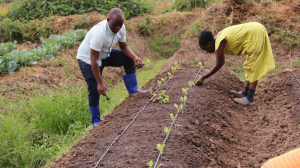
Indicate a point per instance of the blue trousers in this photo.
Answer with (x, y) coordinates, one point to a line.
(117, 59)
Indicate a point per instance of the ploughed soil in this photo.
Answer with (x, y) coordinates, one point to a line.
(211, 131)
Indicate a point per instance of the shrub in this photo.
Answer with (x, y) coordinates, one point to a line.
(38, 9)
(145, 26)
(188, 5)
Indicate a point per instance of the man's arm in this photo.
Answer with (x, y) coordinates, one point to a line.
(96, 71)
(220, 60)
(129, 53)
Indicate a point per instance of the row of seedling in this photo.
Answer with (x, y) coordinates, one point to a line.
(160, 97)
(167, 130)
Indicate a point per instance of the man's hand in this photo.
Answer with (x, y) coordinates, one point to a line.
(200, 81)
(101, 89)
(137, 60)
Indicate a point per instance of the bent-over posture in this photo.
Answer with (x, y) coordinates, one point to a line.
(249, 39)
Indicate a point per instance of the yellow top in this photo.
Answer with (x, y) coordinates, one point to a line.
(249, 39)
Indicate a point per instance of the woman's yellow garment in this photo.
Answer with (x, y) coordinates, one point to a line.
(287, 160)
(249, 39)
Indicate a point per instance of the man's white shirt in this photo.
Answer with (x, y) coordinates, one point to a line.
(100, 38)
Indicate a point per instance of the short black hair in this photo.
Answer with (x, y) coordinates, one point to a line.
(205, 37)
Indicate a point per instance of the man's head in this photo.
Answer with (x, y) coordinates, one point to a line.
(206, 41)
(115, 19)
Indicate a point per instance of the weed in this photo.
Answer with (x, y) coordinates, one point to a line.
(228, 62)
(81, 22)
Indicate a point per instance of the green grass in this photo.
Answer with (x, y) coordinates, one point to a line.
(296, 64)
(239, 72)
(166, 47)
(210, 64)
(37, 130)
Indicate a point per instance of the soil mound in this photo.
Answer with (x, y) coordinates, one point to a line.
(277, 17)
(212, 130)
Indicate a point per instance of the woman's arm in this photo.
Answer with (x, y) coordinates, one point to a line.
(220, 60)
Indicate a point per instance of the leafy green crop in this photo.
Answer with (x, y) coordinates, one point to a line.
(47, 50)
(7, 47)
(38, 9)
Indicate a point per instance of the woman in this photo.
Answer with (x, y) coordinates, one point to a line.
(245, 39)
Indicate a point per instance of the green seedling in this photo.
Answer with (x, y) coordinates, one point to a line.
(150, 164)
(181, 107)
(150, 90)
(159, 82)
(167, 130)
(162, 97)
(191, 83)
(184, 90)
(172, 116)
(196, 80)
(147, 61)
(160, 147)
(166, 78)
(199, 64)
(170, 75)
(176, 105)
(158, 165)
(174, 69)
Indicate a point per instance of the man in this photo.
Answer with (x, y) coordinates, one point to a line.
(245, 39)
(96, 52)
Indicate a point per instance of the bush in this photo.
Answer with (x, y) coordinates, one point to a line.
(145, 26)
(24, 31)
(38, 9)
(189, 5)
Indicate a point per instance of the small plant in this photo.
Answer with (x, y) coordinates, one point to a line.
(167, 130)
(160, 147)
(184, 90)
(170, 75)
(191, 83)
(199, 64)
(172, 117)
(159, 82)
(162, 97)
(150, 164)
(147, 61)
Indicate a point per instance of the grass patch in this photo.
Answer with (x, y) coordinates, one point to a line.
(119, 92)
(296, 64)
(211, 64)
(239, 72)
(166, 47)
(37, 130)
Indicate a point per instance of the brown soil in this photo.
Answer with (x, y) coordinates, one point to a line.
(212, 130)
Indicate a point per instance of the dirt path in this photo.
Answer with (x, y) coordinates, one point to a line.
(212, 131)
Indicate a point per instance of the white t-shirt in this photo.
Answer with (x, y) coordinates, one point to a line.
(100, 38)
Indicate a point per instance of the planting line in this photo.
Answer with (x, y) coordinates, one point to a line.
(296, 76)
(131, 122)
(175, 119)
